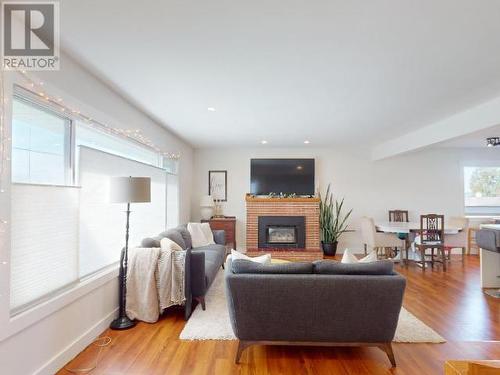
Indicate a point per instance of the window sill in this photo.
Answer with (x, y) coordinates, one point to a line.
(23, 320)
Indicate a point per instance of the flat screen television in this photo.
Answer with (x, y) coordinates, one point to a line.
(282, 176)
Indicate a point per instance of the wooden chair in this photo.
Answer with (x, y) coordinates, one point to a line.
(471, 240)
(431, 238)
(401, 216)
(398, 216)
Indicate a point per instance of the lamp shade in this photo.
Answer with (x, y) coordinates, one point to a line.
(207, 201)
(130, 189)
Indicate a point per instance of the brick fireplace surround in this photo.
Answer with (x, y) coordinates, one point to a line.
(307, 207)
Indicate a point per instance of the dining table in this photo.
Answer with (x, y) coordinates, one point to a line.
(410, 229)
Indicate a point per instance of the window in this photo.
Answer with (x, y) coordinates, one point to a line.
(93, 138)
(482, 190)
(40, 145)
(77, 231)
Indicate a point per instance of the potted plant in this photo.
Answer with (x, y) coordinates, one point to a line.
(332, 222)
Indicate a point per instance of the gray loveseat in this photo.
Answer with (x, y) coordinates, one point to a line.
(202, 263)
(323, 303)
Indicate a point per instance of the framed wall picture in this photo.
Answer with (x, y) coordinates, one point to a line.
(217, 185)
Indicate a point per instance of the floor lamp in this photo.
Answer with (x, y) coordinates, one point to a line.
(127, 190)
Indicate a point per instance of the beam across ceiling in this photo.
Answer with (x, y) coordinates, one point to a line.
(477, 118)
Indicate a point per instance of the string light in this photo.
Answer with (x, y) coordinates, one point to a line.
(134, 135)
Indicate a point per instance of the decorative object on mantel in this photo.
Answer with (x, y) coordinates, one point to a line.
(331, 221)
(265, 198)
(207, 207)
(127, 190)
(217, 185)
(281, 195)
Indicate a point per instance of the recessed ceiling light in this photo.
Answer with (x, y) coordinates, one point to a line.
(263, 141)
(306, 142)
(211, 109)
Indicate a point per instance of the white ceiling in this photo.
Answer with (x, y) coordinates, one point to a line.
(333, 72)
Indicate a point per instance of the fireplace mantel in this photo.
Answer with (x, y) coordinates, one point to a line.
(250, 198)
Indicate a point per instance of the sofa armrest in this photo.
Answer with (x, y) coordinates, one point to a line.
(197, 273)
(187, 286)
(219, 237)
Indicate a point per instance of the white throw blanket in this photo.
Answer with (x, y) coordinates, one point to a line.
(155, 281)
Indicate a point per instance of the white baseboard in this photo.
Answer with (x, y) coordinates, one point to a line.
(73, 349)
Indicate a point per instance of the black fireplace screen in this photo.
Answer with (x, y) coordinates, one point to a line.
(281, 234)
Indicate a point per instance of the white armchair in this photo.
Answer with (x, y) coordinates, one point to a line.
(376, 241)
(459, 240)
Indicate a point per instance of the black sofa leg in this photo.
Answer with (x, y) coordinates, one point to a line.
(242, 345)
(387, 348)
(188, 309)
(201, 300)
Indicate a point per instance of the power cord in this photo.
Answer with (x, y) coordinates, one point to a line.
(101, 343)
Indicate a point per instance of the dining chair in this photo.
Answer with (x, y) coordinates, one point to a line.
(377, 241)
(431, 237)
(398, 216)
(458, 240)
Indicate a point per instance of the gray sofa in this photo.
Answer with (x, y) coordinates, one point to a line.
(323, 303)
(202, 263)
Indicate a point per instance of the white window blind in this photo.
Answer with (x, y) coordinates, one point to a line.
(40, 144)
(44, 245)
(172, 200)
(102, 224)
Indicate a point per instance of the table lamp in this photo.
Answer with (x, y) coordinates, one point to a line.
(207, 207)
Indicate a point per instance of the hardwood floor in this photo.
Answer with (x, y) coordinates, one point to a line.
(450, 302)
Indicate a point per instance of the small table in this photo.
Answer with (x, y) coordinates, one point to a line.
(228, 225)
(408, 228)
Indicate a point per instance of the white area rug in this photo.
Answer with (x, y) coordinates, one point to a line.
(214, 324)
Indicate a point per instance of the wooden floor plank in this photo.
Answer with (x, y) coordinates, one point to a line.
(452, 303)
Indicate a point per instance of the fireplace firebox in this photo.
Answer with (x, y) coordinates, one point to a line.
(281, 232)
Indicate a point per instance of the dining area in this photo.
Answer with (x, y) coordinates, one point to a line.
(427, 241)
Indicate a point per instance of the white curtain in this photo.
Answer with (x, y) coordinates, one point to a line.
(172, 200)
(102, 224)
(44, 245)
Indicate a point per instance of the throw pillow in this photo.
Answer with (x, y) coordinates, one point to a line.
(263, 259)
(168, 244)
(372, 257)
(209, 235)
(349, 257)
(198, 237)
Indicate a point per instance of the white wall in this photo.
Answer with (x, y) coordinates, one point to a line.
(422, 182)
(45, 345)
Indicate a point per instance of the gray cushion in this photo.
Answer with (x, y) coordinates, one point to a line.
(175, 236)
(329, 267)
(186, 236)
(213, 247)
(212, 265)
(247, 266)
(151, 242)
